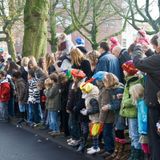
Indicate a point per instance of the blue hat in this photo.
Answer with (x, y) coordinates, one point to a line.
(1, 50)
(80, 41)
(99, 76)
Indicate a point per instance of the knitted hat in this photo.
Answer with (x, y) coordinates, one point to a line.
(142, 37)
(86, 88)
(80, 41)
(77, 73)
(99, 76)
(129, 67)
(114, 42)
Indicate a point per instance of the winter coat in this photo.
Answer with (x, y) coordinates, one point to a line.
(21, 90)
(85, 67)
(40, 75)
(53, 98)
(76, 103)
(109, 63)
(34, 92)
(128, 108)
(115, 105)
(104, 99)
(4, 90)
(142, 116)
(24, 73)
(92, 105)
(151, 66)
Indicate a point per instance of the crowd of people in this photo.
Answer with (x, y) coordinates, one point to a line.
(106, 101)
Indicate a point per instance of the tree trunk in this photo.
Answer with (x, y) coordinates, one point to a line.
(10, 42)
(35, 22)
(53, 32)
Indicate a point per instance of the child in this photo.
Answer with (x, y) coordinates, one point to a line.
(90, 94)
(128, 108)
(110, 103)
(137, 93)
(74, 105)
(22, 95)
(53, 103)
(33, 99)
(4, 96)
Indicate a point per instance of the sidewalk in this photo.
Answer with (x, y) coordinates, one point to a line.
(42, 135)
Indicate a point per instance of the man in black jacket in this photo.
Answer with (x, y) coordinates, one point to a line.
(151, 66)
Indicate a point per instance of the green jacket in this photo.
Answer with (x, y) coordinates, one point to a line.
(128, 108)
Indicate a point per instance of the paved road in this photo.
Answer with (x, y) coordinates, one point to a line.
(17, 144)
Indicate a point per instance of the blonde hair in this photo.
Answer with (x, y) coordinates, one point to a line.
(136, 91)
(33, 62)
(77, 56)
(93, 56)
(25, 61)
(110, 81)
(49, 59)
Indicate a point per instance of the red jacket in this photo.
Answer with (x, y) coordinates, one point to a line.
(4, 91)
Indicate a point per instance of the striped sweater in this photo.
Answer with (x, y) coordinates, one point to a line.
(34, 92)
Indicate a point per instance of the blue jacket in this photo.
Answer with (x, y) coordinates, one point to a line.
(109, 63)
(142, 116)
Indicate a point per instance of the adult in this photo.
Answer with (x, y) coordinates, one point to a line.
(79, 61)
(39, 73)
(93, 56)
(107, 62)
(80, 44)
(113, 42)
(24, 68)
(123, 57)
(64, 45)
(49, 62)
(151, 66)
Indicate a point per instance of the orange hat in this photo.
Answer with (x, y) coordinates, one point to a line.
(78, 73)
(130, 68)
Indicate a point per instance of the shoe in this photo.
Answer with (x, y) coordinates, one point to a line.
(106, 154)
(101, 151)
(69, 140)
(93, 151)
(89, 148)
(74, 143)
(81, 148)
(51, 132)
(55, 133)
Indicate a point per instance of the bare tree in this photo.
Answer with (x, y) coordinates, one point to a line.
(11, 11)
(138, 13)
(86, 17)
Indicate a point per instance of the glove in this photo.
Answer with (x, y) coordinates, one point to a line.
(83, 112)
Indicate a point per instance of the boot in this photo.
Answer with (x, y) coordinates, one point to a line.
(124, 150)
(137, 155)
(114, 154)
(131, 153)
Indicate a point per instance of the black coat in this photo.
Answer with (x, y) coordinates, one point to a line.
(85, 67)
(151, 66)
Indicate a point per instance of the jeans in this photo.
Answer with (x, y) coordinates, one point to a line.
(3, 110)
(133, 133)
(53, 120)
(34, 112)
(108, 137)
(22, 107)
(74, 126)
